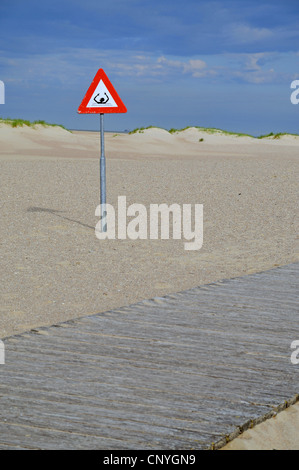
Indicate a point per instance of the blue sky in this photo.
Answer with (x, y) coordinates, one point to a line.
(226, 64)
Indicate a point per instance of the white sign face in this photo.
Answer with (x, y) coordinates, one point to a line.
(101, 98)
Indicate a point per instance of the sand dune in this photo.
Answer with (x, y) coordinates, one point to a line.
(56, 141)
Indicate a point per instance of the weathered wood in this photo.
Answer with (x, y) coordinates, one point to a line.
(177, 372)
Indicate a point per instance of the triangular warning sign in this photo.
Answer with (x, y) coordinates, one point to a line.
(101, 97)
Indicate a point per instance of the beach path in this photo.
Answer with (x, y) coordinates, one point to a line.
(189, 370)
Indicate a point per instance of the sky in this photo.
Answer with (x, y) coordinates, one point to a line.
(226, 64)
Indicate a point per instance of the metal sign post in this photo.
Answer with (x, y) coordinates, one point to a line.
(103, 179)
(102, 98)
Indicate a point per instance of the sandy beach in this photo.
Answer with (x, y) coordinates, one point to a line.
(54, 268)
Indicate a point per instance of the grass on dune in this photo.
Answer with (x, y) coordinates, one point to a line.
(214, 130)
(276, 136)
(24, 122)
(140, 130)
(211, 130)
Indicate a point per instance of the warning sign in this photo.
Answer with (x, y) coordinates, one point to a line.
(101, 97)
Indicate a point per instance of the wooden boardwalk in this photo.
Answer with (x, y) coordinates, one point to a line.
(179, 372)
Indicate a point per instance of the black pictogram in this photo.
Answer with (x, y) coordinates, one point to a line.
(101, 100)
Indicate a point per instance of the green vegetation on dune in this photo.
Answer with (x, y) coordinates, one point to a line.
(214, 130)
(277, 136)
(140, 130)
(137, 130)
(211, 130)
(24, 122)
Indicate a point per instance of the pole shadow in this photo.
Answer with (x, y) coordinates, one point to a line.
(57, 213)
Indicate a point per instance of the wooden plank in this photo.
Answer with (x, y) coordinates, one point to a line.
(180, 371)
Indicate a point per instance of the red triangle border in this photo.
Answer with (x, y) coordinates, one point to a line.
(100, 75)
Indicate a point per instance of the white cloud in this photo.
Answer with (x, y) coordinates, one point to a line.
(242, 33)
(192, 66)
(73, 65)
(251, 61)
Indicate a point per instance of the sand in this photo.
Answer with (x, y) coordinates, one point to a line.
(53, 266)
(277, 433)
